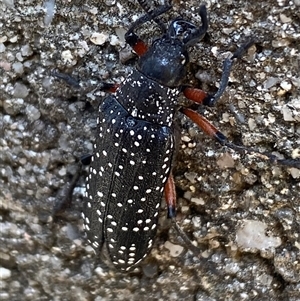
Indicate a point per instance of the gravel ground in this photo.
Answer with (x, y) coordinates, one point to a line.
(242, 211)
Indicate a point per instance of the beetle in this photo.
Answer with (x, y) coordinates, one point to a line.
(131, 167)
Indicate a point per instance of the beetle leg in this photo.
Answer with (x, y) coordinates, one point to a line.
(71, 81)
(205, 125)
(170, 196)
(64, 199)
(109, 87)
(211, 100)
(194, 94)
(66, 193)
(202, 97)
(213, 132)
(138, 45)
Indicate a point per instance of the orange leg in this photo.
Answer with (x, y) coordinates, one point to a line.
(140, 47)
(213, 132)
(205, 125)
(109, 87)
(170, 197)
(194, 94)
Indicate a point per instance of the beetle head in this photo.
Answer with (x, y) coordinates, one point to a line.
(165, 62)
(167, 58)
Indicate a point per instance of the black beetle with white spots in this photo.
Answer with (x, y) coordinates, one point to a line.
(131, 166)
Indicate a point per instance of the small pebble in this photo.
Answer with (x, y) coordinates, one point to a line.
(4, 273)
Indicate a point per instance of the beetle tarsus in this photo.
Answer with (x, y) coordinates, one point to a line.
(196, 251)
(227, 65)
(209, 101)
(71, 81)
(64, 199)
